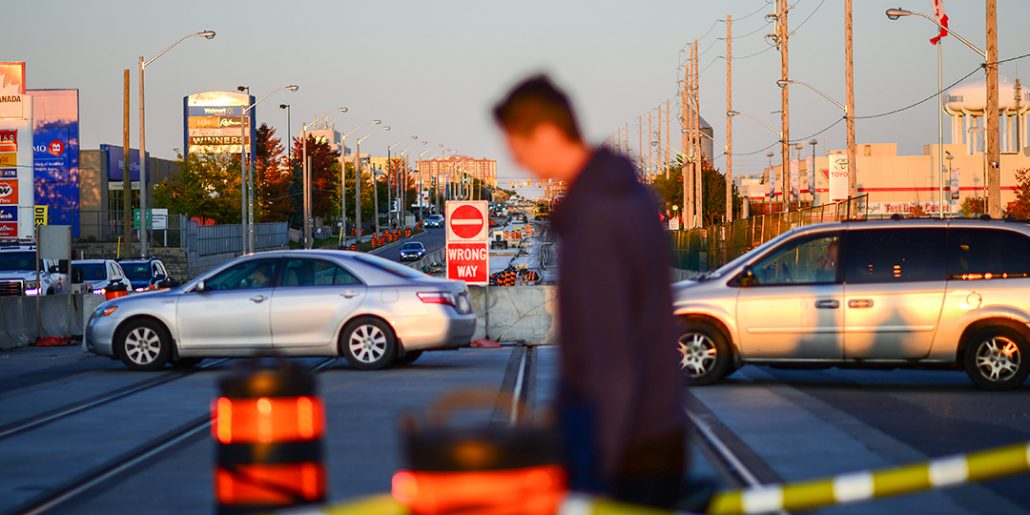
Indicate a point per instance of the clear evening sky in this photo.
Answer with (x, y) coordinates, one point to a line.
(434, 68)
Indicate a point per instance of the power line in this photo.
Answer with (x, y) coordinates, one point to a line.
(803, 22)
(810, 136)
(923, 101)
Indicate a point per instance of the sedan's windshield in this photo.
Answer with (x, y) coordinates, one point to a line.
(137, 271)
(412, 246)
(18, 260)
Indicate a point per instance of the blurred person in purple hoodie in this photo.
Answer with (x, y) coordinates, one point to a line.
(619, 401)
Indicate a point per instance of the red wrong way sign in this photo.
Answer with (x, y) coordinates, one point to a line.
(468, 241)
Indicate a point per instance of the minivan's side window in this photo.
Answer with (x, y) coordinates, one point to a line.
(894, 255)
(247, 275)
(987, 254)
(805, 260)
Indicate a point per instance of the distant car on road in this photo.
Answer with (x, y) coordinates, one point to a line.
(413, 251)
(18, 273)
(372, 311)
(146, 274)
(433, 221)
(876, 294)
(101, 274)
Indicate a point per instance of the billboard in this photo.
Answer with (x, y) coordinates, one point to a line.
(116, 163)
(216, 122)
(55, 150)
(838, 176)
(12, 90)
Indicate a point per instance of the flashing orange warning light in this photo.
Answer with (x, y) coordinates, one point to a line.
(531, 491)
(267, 419)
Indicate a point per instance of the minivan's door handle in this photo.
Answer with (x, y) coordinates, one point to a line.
(258, 299)
(860, 303)
(827, 304)
(349, 294)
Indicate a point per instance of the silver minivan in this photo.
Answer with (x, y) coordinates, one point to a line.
(878, 294)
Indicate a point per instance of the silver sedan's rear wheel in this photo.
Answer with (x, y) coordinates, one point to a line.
(369, 344)
(995, 359)
(144, 345)
(704, 354)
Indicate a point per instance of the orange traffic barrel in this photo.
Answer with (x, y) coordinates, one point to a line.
(268, 424)
(113, 291)
(487, 469)
(407, 233)
(353, 247)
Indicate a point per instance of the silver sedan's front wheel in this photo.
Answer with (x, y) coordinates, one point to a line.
(369, 344)
(704, 353)
(994, 359)
(144, 345)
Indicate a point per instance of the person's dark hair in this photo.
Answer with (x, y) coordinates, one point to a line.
(534, 101)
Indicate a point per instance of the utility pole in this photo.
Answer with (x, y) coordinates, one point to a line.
(625, 137)
(658, 148)
(668, 137)
(991, 114)
(699, 156)
(640, 143)
(126, 175)
(650, 149)
(683, 143)
(783, 40)
(849, 79)
(729, 119)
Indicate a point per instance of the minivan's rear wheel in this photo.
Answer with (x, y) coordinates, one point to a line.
(995, 358)
(704, 354)
(144, 345)
(369, 344)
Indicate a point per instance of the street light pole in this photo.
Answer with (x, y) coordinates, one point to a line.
(247, 186)
(143, 63)
(358, 179)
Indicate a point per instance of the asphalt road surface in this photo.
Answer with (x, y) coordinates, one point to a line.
(433, 239)
(78, 425)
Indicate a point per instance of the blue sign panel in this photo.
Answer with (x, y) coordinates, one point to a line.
(8, 213)
(55, 135)
(116, 163)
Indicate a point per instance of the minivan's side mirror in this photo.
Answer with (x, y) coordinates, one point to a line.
(746, 277)
(200, 287)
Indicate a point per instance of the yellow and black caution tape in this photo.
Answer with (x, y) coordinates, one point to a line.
(800, 496)
(868, 485)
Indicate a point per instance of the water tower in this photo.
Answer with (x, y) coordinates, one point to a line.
(966, 103)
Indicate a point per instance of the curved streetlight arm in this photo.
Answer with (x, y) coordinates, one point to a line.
(291, 87)
(362, 126)
(713, 140)
(894, 14)
(209, 34)
(341, 109)
(369, 135)
(784, 83)
(778, 134)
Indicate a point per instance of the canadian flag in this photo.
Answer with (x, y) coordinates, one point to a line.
(942, 18)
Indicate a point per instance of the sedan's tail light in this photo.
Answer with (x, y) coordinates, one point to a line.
(436, 297)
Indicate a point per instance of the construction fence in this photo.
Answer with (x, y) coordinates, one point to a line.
(707, 248)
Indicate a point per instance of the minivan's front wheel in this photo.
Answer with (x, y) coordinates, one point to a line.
(995, 359)
(144, 345)
(704, 354)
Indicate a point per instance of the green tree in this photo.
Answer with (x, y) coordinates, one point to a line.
(669, 191)
(208, 187)
(972, 206)
(325, 176)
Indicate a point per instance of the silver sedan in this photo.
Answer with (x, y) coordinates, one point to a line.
(372, 311)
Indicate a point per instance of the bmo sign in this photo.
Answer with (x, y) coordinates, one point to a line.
(468, 241)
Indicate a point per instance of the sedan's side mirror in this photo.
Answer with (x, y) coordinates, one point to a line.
(746, 277)
(200, 287)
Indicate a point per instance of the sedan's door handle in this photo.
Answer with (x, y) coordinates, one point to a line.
(827, 304)
(349, 294)
(860, 303)
(258, 299)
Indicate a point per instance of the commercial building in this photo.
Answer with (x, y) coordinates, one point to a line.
(101, 188)
(449, 169)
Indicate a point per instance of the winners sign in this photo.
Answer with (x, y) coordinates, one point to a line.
(217, 122)
(468, 242)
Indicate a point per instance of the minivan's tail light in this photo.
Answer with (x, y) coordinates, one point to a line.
(436, 297)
